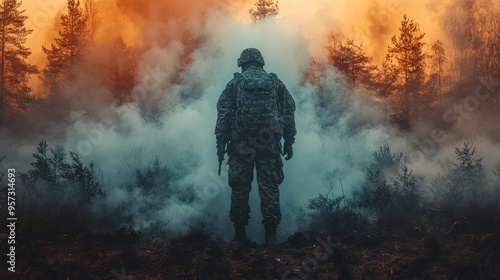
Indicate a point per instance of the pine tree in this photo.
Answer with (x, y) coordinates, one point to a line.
(350, 59)
(68, 48)
(264, 9)
(407, 50)
(473, 28)
(384, 83)
(42, 165)
(15, 71)
(121, 70)
(386, 78)
(314, 73)
(52, 170)
(437, 60)
(468, 178)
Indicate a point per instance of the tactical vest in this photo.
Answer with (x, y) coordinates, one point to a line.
(258, 108)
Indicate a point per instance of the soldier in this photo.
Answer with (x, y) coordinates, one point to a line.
(255, 112)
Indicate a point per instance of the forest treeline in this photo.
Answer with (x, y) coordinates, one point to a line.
(415, 78)
(66, 193)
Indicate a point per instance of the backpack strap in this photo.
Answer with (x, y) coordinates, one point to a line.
(235, 131)
(279, 94)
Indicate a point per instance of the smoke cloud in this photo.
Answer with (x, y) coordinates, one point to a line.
(185, 55)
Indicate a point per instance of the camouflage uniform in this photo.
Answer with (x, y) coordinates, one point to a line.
(261, 149)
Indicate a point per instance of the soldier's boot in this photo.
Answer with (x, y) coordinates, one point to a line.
(240, 233)
(271, 236)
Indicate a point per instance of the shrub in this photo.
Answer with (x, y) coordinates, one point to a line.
(61, 180)
(390, 195)
(463, 188)
(376, 195)
(156, 181)
(470, 174)
(153, 178)
(327, 214)
(60, 192)
(405, 207)
(84, 178)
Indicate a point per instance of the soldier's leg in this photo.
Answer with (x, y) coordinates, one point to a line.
(240, 179)
(269, 177)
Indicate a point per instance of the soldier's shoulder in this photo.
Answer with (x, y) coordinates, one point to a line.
(237, 75)
(279, 82)
(235, 79)
(275, 77)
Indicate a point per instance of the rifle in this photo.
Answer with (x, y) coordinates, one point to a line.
(220, 165)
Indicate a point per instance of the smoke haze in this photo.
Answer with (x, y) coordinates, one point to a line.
(183, 57)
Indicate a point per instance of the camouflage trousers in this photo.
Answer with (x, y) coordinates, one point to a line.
(269, 168)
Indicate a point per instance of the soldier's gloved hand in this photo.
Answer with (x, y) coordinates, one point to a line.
(221, 150)
(287, 150)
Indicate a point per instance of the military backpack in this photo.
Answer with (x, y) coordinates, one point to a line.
(258, 108)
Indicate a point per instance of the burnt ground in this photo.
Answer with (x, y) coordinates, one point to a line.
(458, 250)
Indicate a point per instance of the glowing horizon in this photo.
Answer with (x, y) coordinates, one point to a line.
(368, 22)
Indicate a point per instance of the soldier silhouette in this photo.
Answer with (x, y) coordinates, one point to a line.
(254, 113)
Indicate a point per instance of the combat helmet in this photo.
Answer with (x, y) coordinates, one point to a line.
(250, 54)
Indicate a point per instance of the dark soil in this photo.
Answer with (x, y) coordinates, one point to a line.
(450, 251)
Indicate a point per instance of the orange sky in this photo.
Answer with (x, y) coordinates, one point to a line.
(41, 14)
(370, 22)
